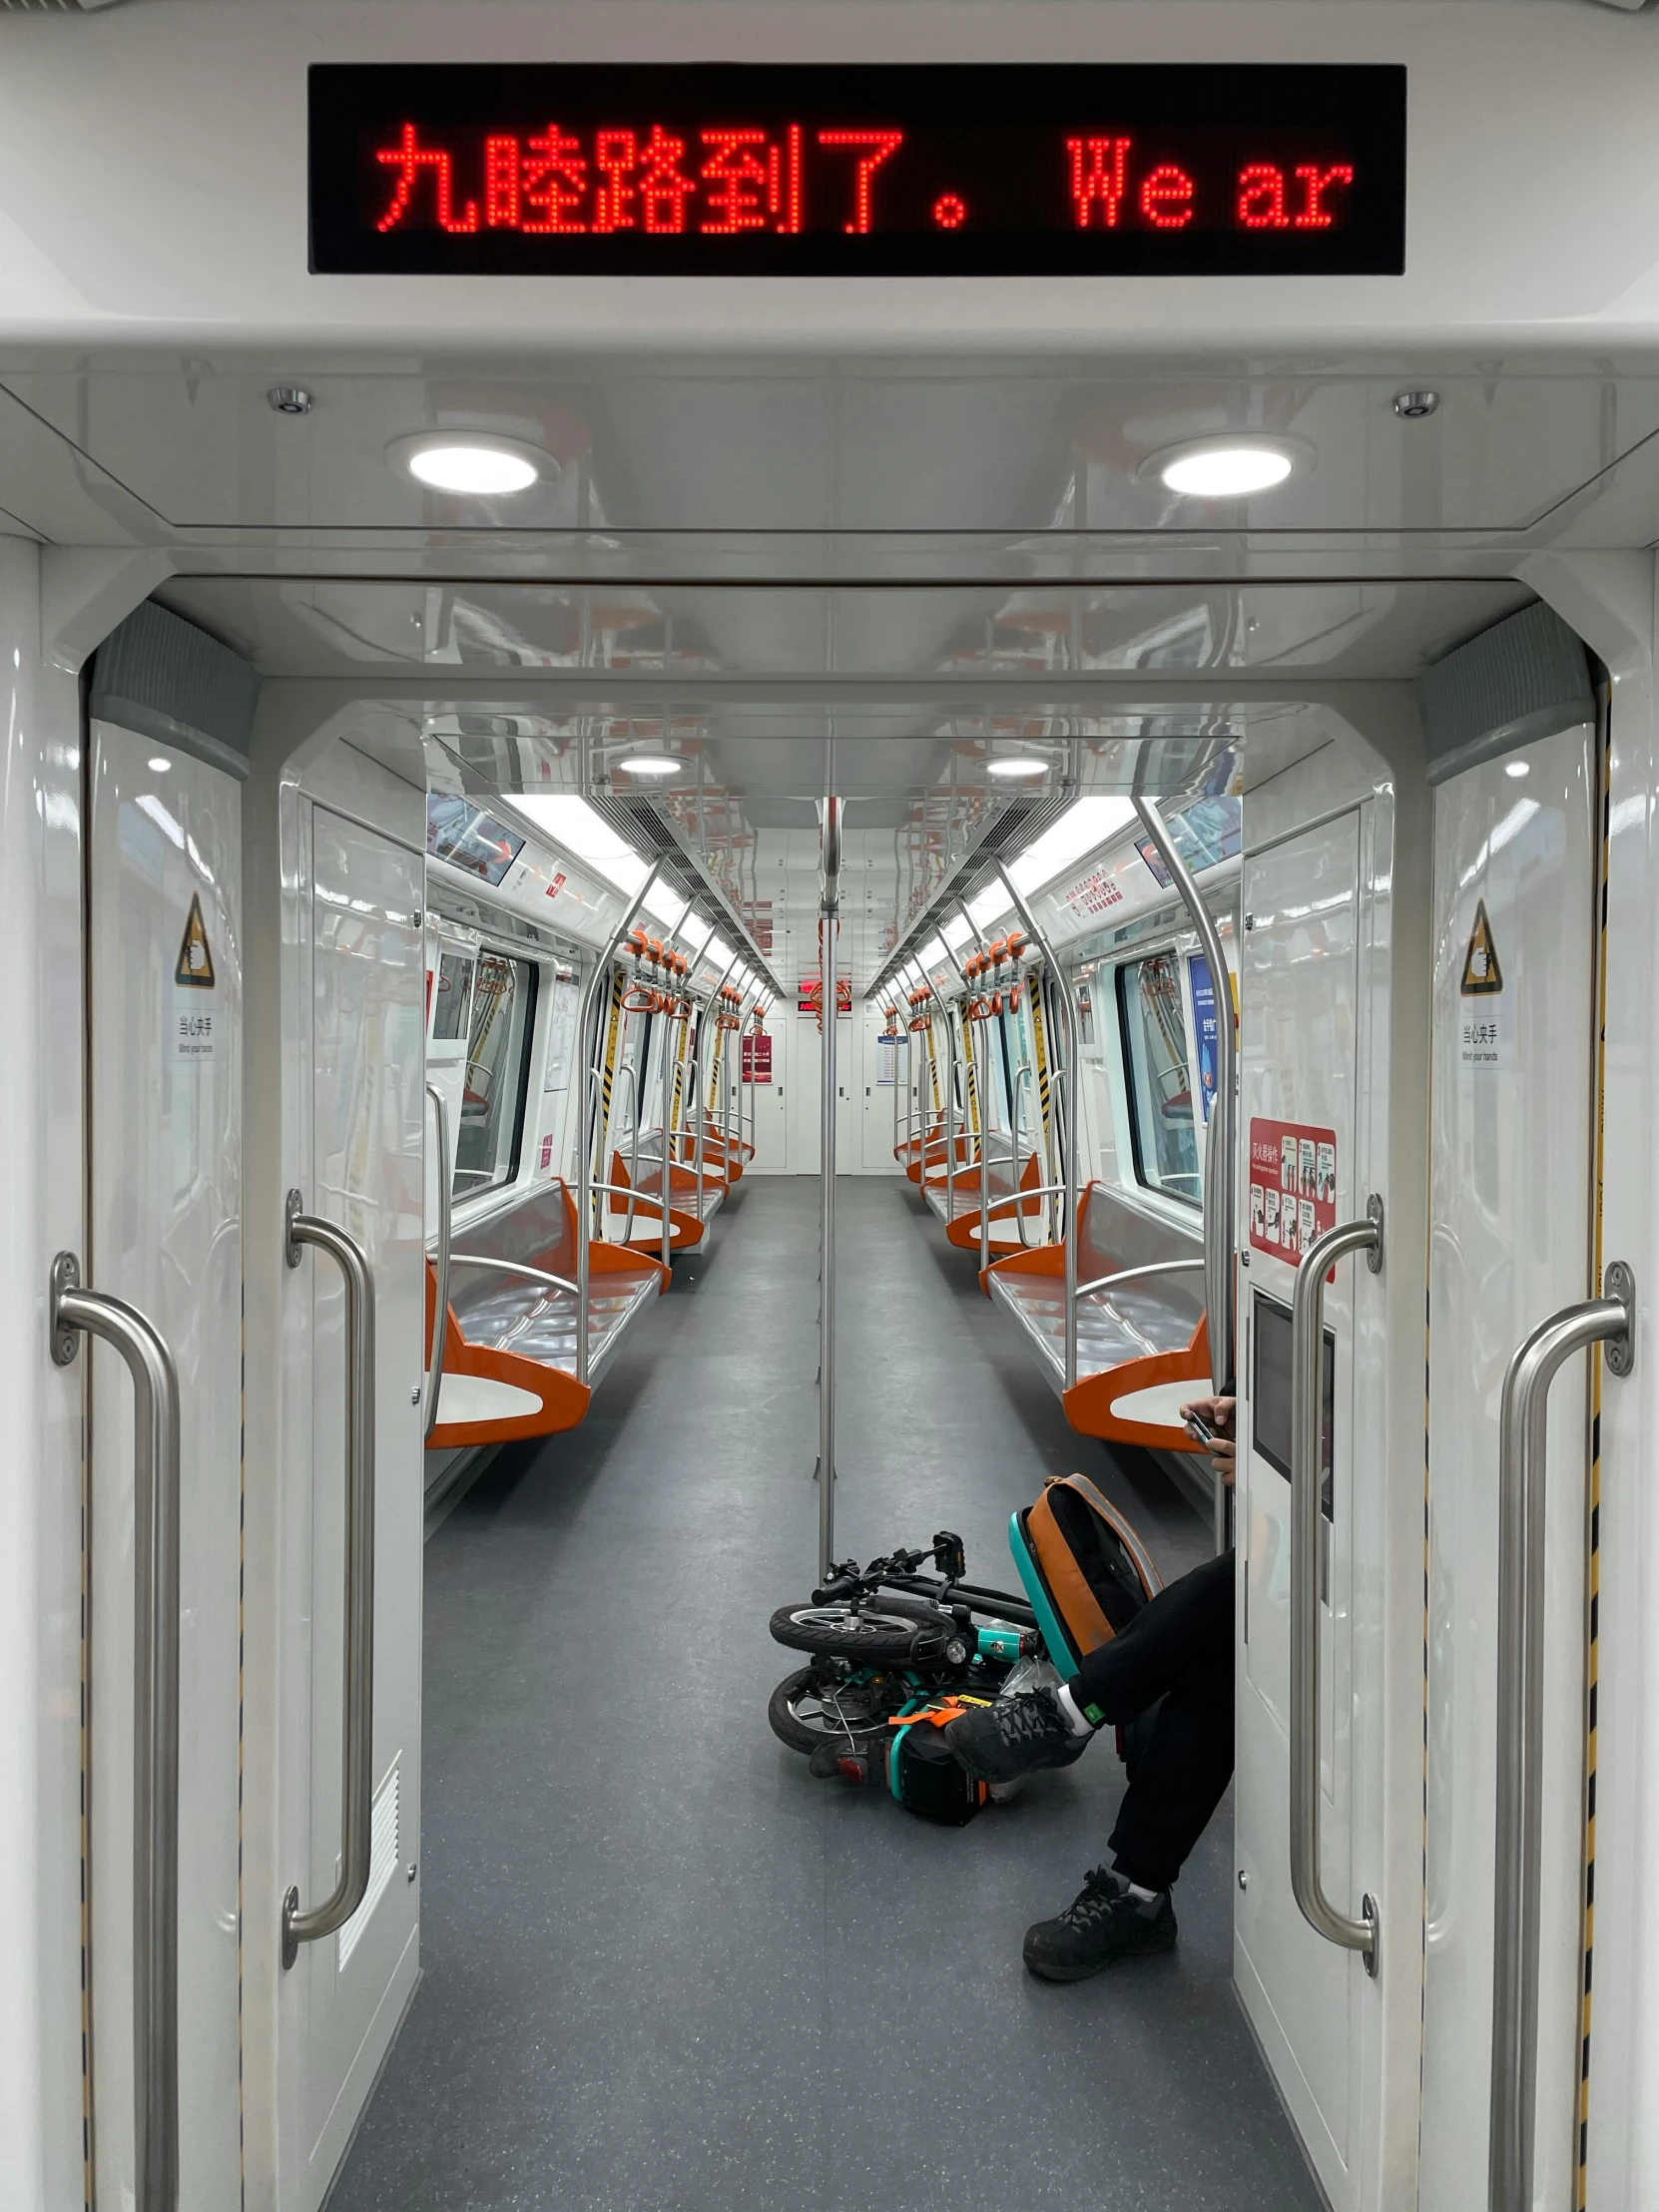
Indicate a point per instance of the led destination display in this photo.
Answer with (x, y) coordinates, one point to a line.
(959, 170)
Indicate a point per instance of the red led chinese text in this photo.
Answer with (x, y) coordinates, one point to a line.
(735, 179)
(720, 182)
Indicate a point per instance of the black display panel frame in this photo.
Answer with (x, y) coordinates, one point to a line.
(1270, 1397)
(990, 138)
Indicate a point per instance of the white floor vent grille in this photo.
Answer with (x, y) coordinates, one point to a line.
(383, 1863)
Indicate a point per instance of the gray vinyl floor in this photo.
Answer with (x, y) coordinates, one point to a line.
(667, 1971)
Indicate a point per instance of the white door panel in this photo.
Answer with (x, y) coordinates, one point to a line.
(1299, 995)
(165, 1098)
(1510, 1192)
(366, 1019)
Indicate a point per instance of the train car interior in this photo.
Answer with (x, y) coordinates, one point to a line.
(715, 879)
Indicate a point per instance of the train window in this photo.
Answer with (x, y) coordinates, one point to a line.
(497, 1074)
(454, 989)
(1160, 1085)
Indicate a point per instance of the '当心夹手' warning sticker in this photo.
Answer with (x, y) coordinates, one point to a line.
(193, 1014)
(1484, 1029)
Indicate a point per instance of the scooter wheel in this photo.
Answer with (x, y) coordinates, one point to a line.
(871, 1638)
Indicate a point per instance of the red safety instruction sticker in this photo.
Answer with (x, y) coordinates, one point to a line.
(1293, 1186)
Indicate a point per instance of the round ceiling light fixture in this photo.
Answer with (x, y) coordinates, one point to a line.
(1224, 467)
(1015, 767)
(471, 463)
(650, 763)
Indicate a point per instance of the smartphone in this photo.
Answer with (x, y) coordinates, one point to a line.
(1199, 1427)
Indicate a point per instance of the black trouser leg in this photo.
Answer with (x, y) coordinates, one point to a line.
(1179, 1648)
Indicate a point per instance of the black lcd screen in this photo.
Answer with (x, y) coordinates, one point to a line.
(954, 169)
(1271, 1396)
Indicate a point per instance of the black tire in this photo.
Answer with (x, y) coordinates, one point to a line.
(792, 1712)
(872, 1639)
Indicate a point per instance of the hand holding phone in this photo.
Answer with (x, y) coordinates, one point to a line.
(1198, 1427)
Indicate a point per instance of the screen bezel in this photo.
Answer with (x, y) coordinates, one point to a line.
(1364, 101)
(1266, 1449)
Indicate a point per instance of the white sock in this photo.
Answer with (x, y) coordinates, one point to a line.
(1141, 1897)
(1073, 1718)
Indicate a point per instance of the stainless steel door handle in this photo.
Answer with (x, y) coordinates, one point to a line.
(1307, 1469)
(434, 1350)
(1524, 1419)
(357, 1735)
(155, 1711)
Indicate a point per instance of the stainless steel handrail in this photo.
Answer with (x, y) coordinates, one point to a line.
(1523, 1435)
(1070, 1173)
(629, 1070)
(1024, 1073)
(357, 1733)
(829, 1008)
(668, 1144)
(585, 1134)
(1152, 1267)
(701, 1137)
(440, 1310)
(1220, 1136)
(517, 1267)
(73, 1311)
(1307, 1474)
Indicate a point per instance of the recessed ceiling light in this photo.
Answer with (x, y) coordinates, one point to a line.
(1510, 768)
(160, 767)
(1012, 765)
(471, 463)
(1225, 468)
(650, 763)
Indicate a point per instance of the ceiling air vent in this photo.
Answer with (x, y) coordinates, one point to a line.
(1519, 681)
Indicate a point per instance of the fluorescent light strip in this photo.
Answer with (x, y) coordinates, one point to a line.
(1085, 826)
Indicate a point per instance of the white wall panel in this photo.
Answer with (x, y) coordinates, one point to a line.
(1510, 1243)
(42, 1180)
(166, 1235)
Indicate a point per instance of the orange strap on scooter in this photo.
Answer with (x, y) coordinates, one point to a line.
(941, 1715)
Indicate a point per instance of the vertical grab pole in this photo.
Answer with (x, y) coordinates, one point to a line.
(701, 1136)
(984, 1135)
(585, 1116)
(440, 1313)
(829, 911)
(358, 1730)
(1524, 1437)
(667, 1187)
(155, 1378)
(1070, 1170)
(699, 1133)
(957, 1063)
(1307, 1481)
(1221, 1137)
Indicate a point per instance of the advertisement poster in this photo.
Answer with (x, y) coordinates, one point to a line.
(1293, 1187)
(1204, 1025)
(756, 1058)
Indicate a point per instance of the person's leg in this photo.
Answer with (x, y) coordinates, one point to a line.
(1185, 1632)
(1124, 1911)
(1178, 1780)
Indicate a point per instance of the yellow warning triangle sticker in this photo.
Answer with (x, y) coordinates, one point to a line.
(1482, 976)
(196, 960)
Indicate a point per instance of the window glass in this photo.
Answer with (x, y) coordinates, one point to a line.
(497, 1071)
(1159, 1080)
(450, 1008)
